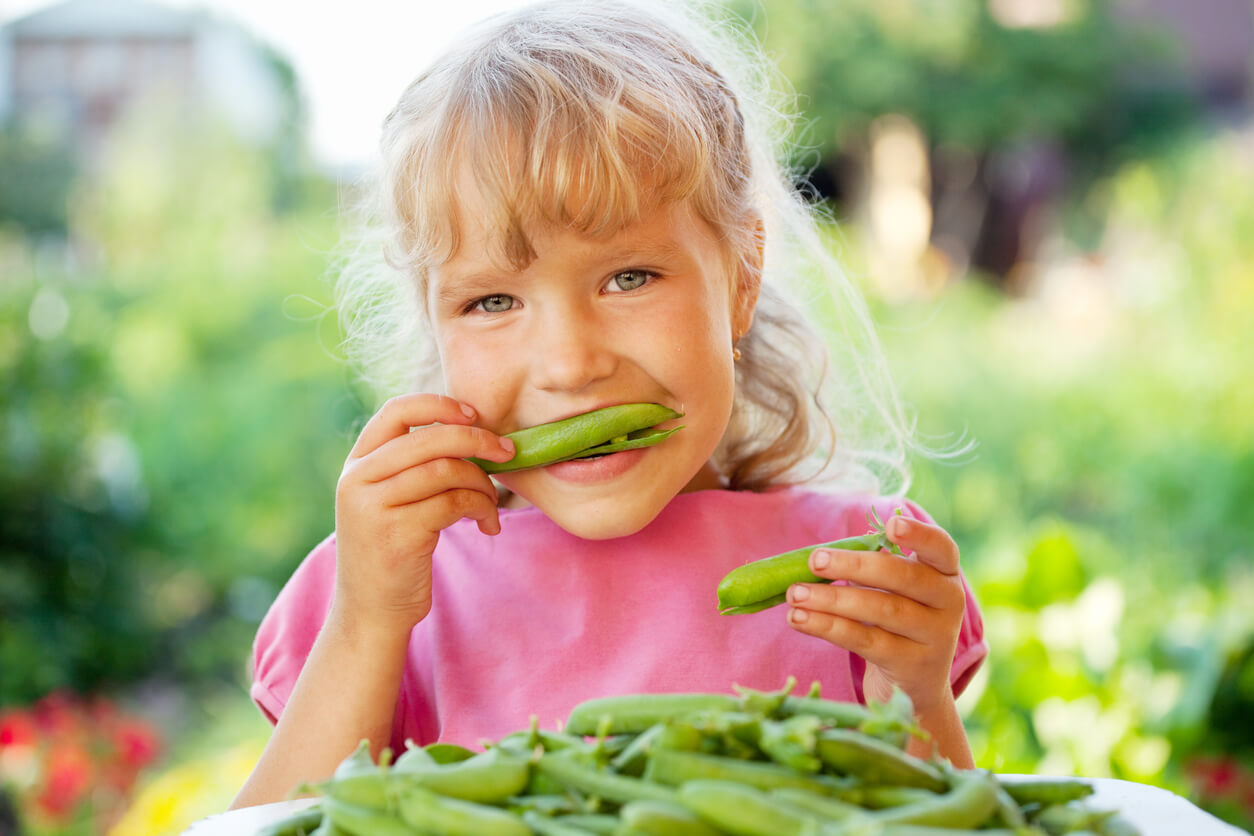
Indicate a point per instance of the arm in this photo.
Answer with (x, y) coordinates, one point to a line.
(398, 490)
(903, 616)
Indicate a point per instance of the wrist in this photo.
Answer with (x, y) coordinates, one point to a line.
(375, 631)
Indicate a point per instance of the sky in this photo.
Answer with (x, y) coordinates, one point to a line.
(353, 61)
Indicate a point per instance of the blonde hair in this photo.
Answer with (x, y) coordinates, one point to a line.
(632, 106)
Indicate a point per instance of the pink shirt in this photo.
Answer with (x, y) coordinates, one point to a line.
(535, 620)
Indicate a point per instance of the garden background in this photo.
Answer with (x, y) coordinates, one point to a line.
(1050, 206)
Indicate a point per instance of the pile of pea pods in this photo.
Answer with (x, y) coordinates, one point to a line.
(751, 763)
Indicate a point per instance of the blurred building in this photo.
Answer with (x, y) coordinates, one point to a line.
(77, 67)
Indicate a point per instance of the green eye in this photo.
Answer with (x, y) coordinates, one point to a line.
(631, 279)
(496, 304)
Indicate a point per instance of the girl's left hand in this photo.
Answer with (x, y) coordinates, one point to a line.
(901, 614)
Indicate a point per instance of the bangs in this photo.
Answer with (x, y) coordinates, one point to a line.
(545, 130)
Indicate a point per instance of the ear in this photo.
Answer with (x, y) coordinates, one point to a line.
(748, 283)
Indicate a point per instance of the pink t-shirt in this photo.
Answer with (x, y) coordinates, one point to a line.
(535, 620)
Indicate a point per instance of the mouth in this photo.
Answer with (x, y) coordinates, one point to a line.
(594, 434)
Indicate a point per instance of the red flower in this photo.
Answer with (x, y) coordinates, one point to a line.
(67, 780)
(135, 742)
(17, 728)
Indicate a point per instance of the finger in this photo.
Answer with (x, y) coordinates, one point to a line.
(395, 418)
(429, 443)
(438, 512)
(931, 544)
(871, 643)
(902, 575)
(428, 479)
(893, 613)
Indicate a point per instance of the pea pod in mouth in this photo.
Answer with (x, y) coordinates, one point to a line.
(596, 433)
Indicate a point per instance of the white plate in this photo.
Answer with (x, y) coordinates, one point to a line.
(1154, 811)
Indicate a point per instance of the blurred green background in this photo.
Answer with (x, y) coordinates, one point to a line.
(1047, 202)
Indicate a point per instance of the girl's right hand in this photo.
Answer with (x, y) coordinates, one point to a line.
(398, 490)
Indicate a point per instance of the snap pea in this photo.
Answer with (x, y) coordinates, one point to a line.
(1047, 790)
(662, 818)
(599, 823)
(546, 826)
(829, 809)
(633, 713)
(431, 812)
(568, 771)
(488, 777)
(364, 821)
(876, 762)
(764, 583)
(971, 803)
(301, 823)
(792, 742)
(676, 768)
(444, 753)
(745, 811)
(608, 430)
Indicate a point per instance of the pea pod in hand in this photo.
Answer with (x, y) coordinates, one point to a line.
(764, 583)
(596, 433)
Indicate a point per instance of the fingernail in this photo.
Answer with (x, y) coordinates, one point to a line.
(507, 444)
(799, 593)
(820, 559)
(900, 526)
(798, 616)
(468, 410)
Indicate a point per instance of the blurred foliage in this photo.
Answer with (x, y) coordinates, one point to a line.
(1104, 512)
(173, 414)
(1099, 89)
(172, 408)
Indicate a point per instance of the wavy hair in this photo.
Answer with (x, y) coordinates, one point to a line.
(629, 103)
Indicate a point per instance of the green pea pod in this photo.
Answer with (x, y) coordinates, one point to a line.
(608, 430)
(488, 777)
(663, 818)
(301, 823)
(764, 583)
(634, 713)
(444, 753)
(568, 771)
(676, 768)
(876, 762)
(430, 812)
(745, 811)
(971, 803)
(546, 826)
(363, 821)
(1047, 791)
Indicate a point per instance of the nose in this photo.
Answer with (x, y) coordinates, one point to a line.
(570, 350)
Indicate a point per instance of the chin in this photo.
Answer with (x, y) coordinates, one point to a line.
(590, 522)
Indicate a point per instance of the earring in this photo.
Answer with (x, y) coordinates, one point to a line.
(736, 355)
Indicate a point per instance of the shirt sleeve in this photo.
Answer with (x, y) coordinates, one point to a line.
(286, 634)
(971, 648)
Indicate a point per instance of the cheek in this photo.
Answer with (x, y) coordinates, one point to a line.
(469, 369)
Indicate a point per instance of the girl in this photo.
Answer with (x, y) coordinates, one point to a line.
(583, 209)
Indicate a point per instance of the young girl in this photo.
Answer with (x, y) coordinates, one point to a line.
(584, 209)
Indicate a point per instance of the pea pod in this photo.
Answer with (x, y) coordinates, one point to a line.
(971, 803)
(634, 713)
(1047, 791)
(764, 583)
(565, 769)
(301, 823)
(876, 762)
(676, 768)
(662, 818)
(745, 811)
(609, 430)
(430, 812)
(363, 821)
